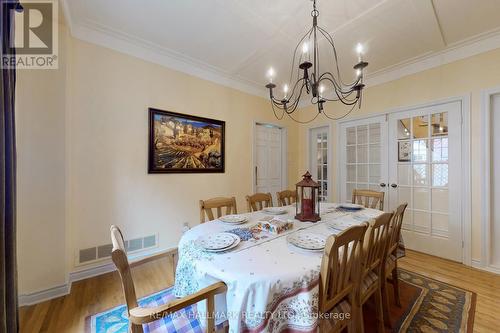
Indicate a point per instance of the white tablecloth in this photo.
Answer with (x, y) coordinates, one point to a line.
(272, 286)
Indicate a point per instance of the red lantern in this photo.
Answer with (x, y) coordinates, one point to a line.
(307, 207)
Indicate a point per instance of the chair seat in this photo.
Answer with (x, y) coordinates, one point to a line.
(368, 281)
(183, 321)
(339, 316)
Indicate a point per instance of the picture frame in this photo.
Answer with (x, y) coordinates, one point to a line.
(182, 143)
(404, 151)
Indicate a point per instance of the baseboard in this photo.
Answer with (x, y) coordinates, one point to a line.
(479, 265)
(44, 295)
(86, 273)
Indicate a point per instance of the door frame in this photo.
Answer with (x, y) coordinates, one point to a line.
(486, 139)
(466, 221)
(284, 152)
(329, 154)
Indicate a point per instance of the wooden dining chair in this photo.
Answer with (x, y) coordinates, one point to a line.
(286, 197)
(206, 207)
(373, 257)
(339, 278)
(259, 201)
(390, 266)
(144, 315)
(368, 198)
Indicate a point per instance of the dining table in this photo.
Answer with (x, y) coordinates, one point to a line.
(272, 285)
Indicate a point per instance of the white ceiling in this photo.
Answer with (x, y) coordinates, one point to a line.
(235, 42)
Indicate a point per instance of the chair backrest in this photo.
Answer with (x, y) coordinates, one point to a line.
(375, 243)
(258, 201)
(206, 207)
(341, 266)
(368, 198)
(119, 257)
(286, 197)
(395, 229)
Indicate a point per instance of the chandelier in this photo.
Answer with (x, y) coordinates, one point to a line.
(311, 83)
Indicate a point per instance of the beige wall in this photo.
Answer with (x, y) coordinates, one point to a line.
(83, 156)
(464, 77)
(41, 158)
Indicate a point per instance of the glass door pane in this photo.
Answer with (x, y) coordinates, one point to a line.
(364, 156)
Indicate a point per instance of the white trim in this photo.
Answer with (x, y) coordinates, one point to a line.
(466, 182)
(486, 95)
(44, 295)
(284, 153)
(475, 45)
(95, 33)
(142, 49)
(466, 162)
(478, 265)
(89, 272)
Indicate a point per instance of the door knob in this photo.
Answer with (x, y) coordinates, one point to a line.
(382, 185)
(394, 185)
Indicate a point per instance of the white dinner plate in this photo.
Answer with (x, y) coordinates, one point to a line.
(307, 241)
(351, 206)
(341, 224)
(233, 219)
(274, 210)
(232, 246)
(216, 241)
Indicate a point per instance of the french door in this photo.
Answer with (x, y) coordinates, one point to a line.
(415, 157)
(268, 168)
(319, 140)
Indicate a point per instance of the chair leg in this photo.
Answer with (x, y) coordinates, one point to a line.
(135, 328)
(357, 319)
(379, 310)
(395, 284)
(385, 302)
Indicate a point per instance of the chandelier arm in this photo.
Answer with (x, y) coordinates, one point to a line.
(304, 122)
(274, 111)
(341, 97)
(295, 87)
(308, 35)
(329, 38)
(337, 86)
(341, 117)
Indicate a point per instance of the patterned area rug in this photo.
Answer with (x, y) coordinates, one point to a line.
(428, 306)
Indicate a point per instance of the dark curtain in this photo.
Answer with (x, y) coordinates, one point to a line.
(8, 268)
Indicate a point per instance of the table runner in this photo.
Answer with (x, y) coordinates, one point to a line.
(272, 286)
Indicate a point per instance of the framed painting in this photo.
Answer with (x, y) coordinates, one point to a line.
(181, 143)
(404, 151)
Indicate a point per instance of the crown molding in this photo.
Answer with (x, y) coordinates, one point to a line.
(116, 40)
(464, 49)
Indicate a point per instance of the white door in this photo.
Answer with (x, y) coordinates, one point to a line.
(318, 159)
(363, 156)
(268, 159)
(424, 171)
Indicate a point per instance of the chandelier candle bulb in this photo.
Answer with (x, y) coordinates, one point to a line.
(270, 74)
(359, 50)
(285, 90)
(305, 48)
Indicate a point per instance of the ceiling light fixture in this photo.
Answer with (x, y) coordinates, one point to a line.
(324, 87)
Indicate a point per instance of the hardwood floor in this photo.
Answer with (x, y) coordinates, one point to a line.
(68, 313)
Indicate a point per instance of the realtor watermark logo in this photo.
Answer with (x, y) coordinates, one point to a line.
(35, 42)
